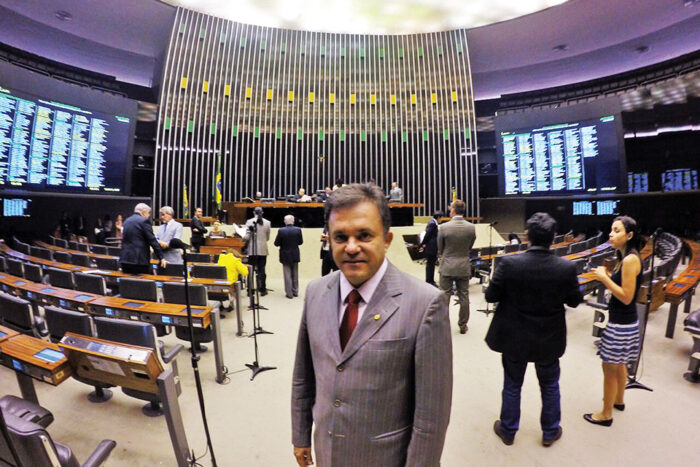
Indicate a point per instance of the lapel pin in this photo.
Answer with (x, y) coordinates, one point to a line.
(376, 317)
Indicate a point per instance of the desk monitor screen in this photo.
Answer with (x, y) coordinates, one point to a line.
(133, 304)
(221, 281)
(20, 282)
(17, 365)
(109, 312)
(166, 319)
(49, 355)
(2, 334)
(83, 297)
(30, 295)
(61, 302)
(48, 290)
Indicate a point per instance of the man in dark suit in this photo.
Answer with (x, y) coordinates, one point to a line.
(529, 325)
(198, 230)
(288, 240)
(428, 246)
(135, 257)
(373, 368)
(455, 240)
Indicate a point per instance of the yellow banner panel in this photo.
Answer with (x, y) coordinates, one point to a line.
(311, 97)
(352, 98)
(269, 94)
(433, 98)
(372, 99)
(183, 82)
(248, 92)
(290, 96)
(227, 90)
(413, 99)
(393, 99)
(205, 86)
(454, 96)
(331, 99)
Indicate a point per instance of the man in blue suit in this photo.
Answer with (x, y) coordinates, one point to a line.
(288, 240)
(529, 325)
(137, 238)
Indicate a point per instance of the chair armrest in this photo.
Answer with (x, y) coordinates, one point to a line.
(100, 454)
(599, 306)
(170, 354)
(40, 327)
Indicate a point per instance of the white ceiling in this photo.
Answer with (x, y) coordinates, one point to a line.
(367, 16)
(127, 38)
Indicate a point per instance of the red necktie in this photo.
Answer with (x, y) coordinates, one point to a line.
(349, 318)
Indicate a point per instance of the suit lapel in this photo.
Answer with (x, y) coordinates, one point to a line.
(380, 309)
(329, 314)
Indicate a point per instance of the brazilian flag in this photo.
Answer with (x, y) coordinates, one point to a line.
(185, 203)
(218, 191)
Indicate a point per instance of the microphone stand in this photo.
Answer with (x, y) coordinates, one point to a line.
(255, 307)
(632, 382)
(488, 309)
(194, 358)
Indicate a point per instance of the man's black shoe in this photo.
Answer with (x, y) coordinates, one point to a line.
(499, 431)
(463, 329)
(548, 442)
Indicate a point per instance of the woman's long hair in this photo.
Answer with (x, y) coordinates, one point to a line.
(633, 245)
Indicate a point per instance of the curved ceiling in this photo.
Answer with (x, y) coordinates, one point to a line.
(368, 16)
(568, 43)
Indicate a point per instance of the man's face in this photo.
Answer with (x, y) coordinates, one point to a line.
(146, 213)
(165, 217)
(302, 192)
(198, 212)
(358, 241)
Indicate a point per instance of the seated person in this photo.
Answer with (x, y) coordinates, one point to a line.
(302, 197)
(396, 193)
(513, 239)
(216, 231)
(234, 266)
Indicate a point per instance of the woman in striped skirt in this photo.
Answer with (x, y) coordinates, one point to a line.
(619, 343)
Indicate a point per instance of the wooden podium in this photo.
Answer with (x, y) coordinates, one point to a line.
(215, 245)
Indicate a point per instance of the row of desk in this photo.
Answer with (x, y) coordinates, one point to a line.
(682, 288)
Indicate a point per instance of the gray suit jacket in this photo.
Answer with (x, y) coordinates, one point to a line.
(167, 232)
(455, 239)
(262, 236)
(385, 400)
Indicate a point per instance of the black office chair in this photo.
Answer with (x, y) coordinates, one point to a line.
(23, 443)
(15, 267)
(512, 248)
(143, 335)
(561, 250)
(141, 289)
(580, 265)
(40, 252)
(33, 272)
(113, 242)
(114, 250)
(111, 264)
(62, 257)
(99, 249)
(25, 410)
(3, 264)
(198, 257)
(211, 271)
(60, 321)
(18, 314)
(174, 292)
(83, 247)
(90, 283)
(73, 245)
(80, 259)
(61, 278)
(524, 246)
(171, 269)
(22, 247)
(61, 242)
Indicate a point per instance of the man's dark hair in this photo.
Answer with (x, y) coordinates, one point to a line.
(540, 229)
(438, 214)
(356, 193)
(459, 207)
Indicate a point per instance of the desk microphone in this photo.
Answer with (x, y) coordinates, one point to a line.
(493, 223)
(657, 232)
(179, 244)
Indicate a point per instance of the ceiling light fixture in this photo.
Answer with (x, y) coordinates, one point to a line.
(560, 47)
(642, 49)
(63, 15)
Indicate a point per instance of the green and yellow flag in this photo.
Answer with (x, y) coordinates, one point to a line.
(218, 191)
(185, 203)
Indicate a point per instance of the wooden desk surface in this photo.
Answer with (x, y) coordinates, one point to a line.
(45, 289)
(287, 204)
(8, 333)
(224, 283)
(24, 348)
(170, 309)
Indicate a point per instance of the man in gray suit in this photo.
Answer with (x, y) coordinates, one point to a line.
(396, 193)
(373, 367)
(169, 228)
(257, 236)
(455, 239)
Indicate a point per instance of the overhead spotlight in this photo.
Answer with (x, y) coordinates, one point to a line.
(560, 47)
(690, 3)
(642, 49)
(63, 15)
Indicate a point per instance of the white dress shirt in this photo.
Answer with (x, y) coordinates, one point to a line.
(366, 291)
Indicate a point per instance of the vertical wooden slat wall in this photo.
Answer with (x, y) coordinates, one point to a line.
(286, 109)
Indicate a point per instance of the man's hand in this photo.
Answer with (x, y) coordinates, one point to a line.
(163, 244)
(163, 263)
(303, 456)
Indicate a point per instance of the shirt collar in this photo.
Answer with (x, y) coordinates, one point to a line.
(367, 289)
(538, 248)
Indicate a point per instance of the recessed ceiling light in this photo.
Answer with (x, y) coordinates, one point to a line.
(63, 15)
(560, 47)
(642, 49)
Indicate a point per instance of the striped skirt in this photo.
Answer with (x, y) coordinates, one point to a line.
(619, 343)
